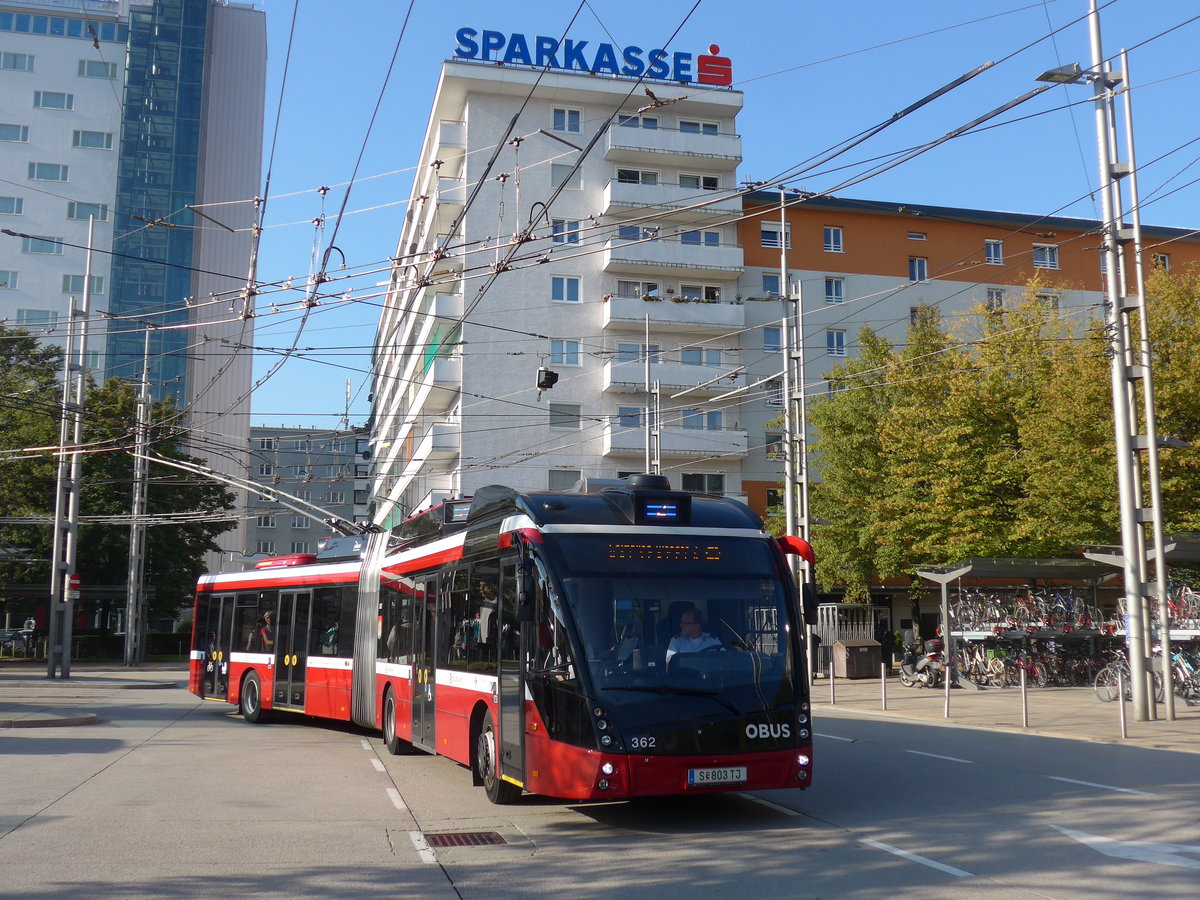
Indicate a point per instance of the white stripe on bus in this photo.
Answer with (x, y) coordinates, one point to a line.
(330, 662)
(262, 659)
(281, 573)
(472, 681)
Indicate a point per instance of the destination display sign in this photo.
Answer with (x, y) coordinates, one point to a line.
(710, 68)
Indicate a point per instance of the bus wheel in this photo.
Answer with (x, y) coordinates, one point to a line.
(395, 744)
(251, 699)
(497, 789)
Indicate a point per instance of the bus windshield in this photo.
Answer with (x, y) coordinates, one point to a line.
(701, 619)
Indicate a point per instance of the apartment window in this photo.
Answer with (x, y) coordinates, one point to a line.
(700, 182)
(702, 483)
(266, 521)
(565, 231)
(993, 253)
(918, 236)
(16, 133)
(265, 548)
(97, 211)
(700, 356)
(264, 443)
(361, 497)
(564, 289)
(8, 280)
(300, 471)
(47, 172)
(564, 353)
(770, 234)
(73, 284)
(562, 479)
(565, 415)
(1049, 300)
(773, 391)
(650, 122)
(301, 522)
(11, 206)
(628, 232)
(1162, 261)
(691, 126)
(636, 176)
(16, 62)
(770, 283)
(995, 298)
(565, 175)
(567, 120)
(699, 419)
(708, 293)
(773, 446)
(335, 497)
(362, 472)
(41, 244)
(833, 239)
(305, 495)
(632, 290)
(1045, 256)
(301, 546)
(92, 140)
(914, 313)
(698, 238)
(772, 338)
(362, 445)
(918, 268)
(53, 100)
(266, 470)
(36, 318)
(629, 417)
(835, 342)
(636, 352)
(835, 290)
(94, 68)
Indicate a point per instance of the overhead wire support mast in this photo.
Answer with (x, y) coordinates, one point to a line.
(134, 597)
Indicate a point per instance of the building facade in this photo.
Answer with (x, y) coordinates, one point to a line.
(143, 120)
(324, 467)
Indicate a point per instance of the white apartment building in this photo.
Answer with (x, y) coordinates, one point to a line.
(636, 259)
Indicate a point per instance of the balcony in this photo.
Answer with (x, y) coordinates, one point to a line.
(451, 145)
(677, 442)
(671, 147)
(440, 442)
(630, 378)
(442, 384)
(684, 317)
(673, 256)
(621, 196)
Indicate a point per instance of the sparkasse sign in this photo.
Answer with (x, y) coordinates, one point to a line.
(515, 49)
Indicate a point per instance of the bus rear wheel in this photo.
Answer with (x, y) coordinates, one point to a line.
(395, 744)
(251, 699)
(497, 789)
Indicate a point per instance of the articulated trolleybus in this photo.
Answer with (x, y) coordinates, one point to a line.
(632, 642)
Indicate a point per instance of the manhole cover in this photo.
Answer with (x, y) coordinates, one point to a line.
(464, 839)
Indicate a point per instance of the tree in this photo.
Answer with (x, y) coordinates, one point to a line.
(29, 419)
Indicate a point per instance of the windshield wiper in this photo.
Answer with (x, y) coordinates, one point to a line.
(672, 689)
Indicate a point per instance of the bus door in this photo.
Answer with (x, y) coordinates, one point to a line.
(423, 667)
(512, 688)
(217, 646)
(291, 648)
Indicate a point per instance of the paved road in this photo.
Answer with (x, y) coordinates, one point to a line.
(169, 796)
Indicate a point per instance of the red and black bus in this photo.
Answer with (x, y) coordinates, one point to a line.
(535, 638)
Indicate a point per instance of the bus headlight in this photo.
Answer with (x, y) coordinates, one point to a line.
(803, 760)
(802, 718)
(606, 740)
(597, 711)
(804, 734)
(608, 768)
(602, 784)
(602, 724)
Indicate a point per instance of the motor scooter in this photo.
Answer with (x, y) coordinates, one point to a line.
(921, 669)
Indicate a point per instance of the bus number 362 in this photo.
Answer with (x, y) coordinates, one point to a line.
(642, 743)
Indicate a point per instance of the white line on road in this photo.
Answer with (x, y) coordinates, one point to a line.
(396, 801)
(834, 737)
(939, 756)
(769, 805)
(366, 745)
(423, 851)
(923, 860)
(378, 765)
(1107, 787)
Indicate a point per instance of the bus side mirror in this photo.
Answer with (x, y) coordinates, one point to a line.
(808, 603)
(525, 596)
(795, 546)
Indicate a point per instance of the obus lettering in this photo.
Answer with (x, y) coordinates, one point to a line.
(771, 730)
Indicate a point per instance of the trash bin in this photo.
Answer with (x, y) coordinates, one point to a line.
(856, 659)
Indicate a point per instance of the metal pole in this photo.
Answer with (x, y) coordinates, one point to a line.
(135, 606)
(1024, 700)
(832, 682)
(1121, 704)
(883, 684)
(649, 399)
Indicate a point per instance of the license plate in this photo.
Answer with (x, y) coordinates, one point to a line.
(727, 775)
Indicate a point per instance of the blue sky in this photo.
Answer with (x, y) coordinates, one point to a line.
(813, 75)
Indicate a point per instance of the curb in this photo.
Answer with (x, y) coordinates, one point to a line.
(84, 683)
(61, 721)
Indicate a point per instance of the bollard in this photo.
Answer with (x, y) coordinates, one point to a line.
(883, 683)
(947, 671)
(832, 683)
(1024, 701)
(1121, 704)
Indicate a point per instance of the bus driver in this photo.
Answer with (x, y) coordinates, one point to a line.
(692, 637)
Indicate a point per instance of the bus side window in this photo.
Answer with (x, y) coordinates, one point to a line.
(481, 626)
(510, 626)
(347, 620)
(455, 623)
(326, 621)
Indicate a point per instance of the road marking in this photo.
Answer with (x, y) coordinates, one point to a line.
(1107, 787)
(834, 737)
(769, 805)
(427, 856)
(1142, 851)
(939, 756)
(366, 745)
(378, 765)
(913, 857)
(396, 800)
